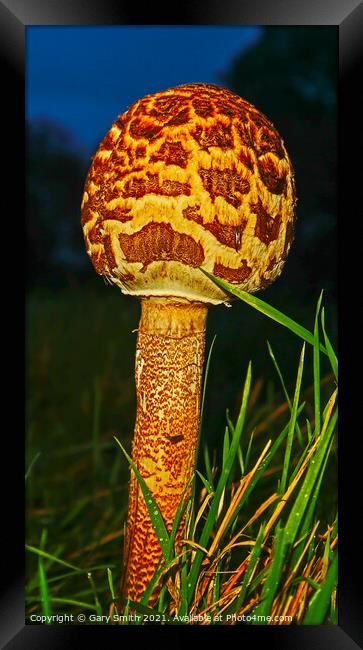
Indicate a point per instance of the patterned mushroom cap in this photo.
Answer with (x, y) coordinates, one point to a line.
(189, 177)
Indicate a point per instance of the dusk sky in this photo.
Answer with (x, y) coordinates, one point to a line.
(83, 77)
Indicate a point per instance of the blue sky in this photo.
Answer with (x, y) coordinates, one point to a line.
(83, 77)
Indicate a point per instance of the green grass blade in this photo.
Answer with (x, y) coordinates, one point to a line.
(265, 309)
(182, 505)
(183, 609)
(43, 590)
(252, 562)
(68, 574)
(331, 354)
(207, 366)
(39, 551)
(304, 496)
(161, 602)
(319, 603)
(240, 460)
(27, 473)
(110, 583)
(125, 620)
(225, 446)
(242, 413)
(98, 607)
(161, 568)
(152, 584)
(300, 460)
(308, 517)
(264, 465)
(259, 579)
(316, 367)
(201, 421)
(311, 582)
(153, 614)
(272, 582)
(93, 568)
(327, 549)
(77, 603)
(248, 452)
(42, 579)
(292, 423)
(277, 368)
(205, 482)
(208, 469)
(226, 470)
(279, 373)
(154, 512)
(229, 423)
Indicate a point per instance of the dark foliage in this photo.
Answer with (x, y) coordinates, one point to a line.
(290, 74)
(55, 175)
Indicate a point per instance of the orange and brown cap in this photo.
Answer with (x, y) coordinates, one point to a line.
(189, 177)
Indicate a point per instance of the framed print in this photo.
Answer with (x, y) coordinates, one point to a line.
(188, 198)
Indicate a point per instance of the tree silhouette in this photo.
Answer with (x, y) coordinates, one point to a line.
(55, 176)
(290, 74)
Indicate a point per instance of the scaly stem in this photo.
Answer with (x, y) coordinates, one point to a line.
(168, 373)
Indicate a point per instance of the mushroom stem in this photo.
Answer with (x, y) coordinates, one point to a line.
(168, 373)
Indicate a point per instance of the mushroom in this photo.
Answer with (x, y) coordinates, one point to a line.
(189, 178)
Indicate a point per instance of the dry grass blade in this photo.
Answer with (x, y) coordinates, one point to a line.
(195, 546)
(260, 510)
(300, 604)
(304, 551)
(244, 483)
(225, 599)
(201, 511)
(285, 497)
(238, 573)
(284, 600)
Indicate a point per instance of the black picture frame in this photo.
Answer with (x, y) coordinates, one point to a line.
(15, 17)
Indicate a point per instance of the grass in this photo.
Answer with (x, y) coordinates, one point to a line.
(261, 542)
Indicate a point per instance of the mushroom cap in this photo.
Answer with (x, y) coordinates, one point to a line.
(190, 177)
